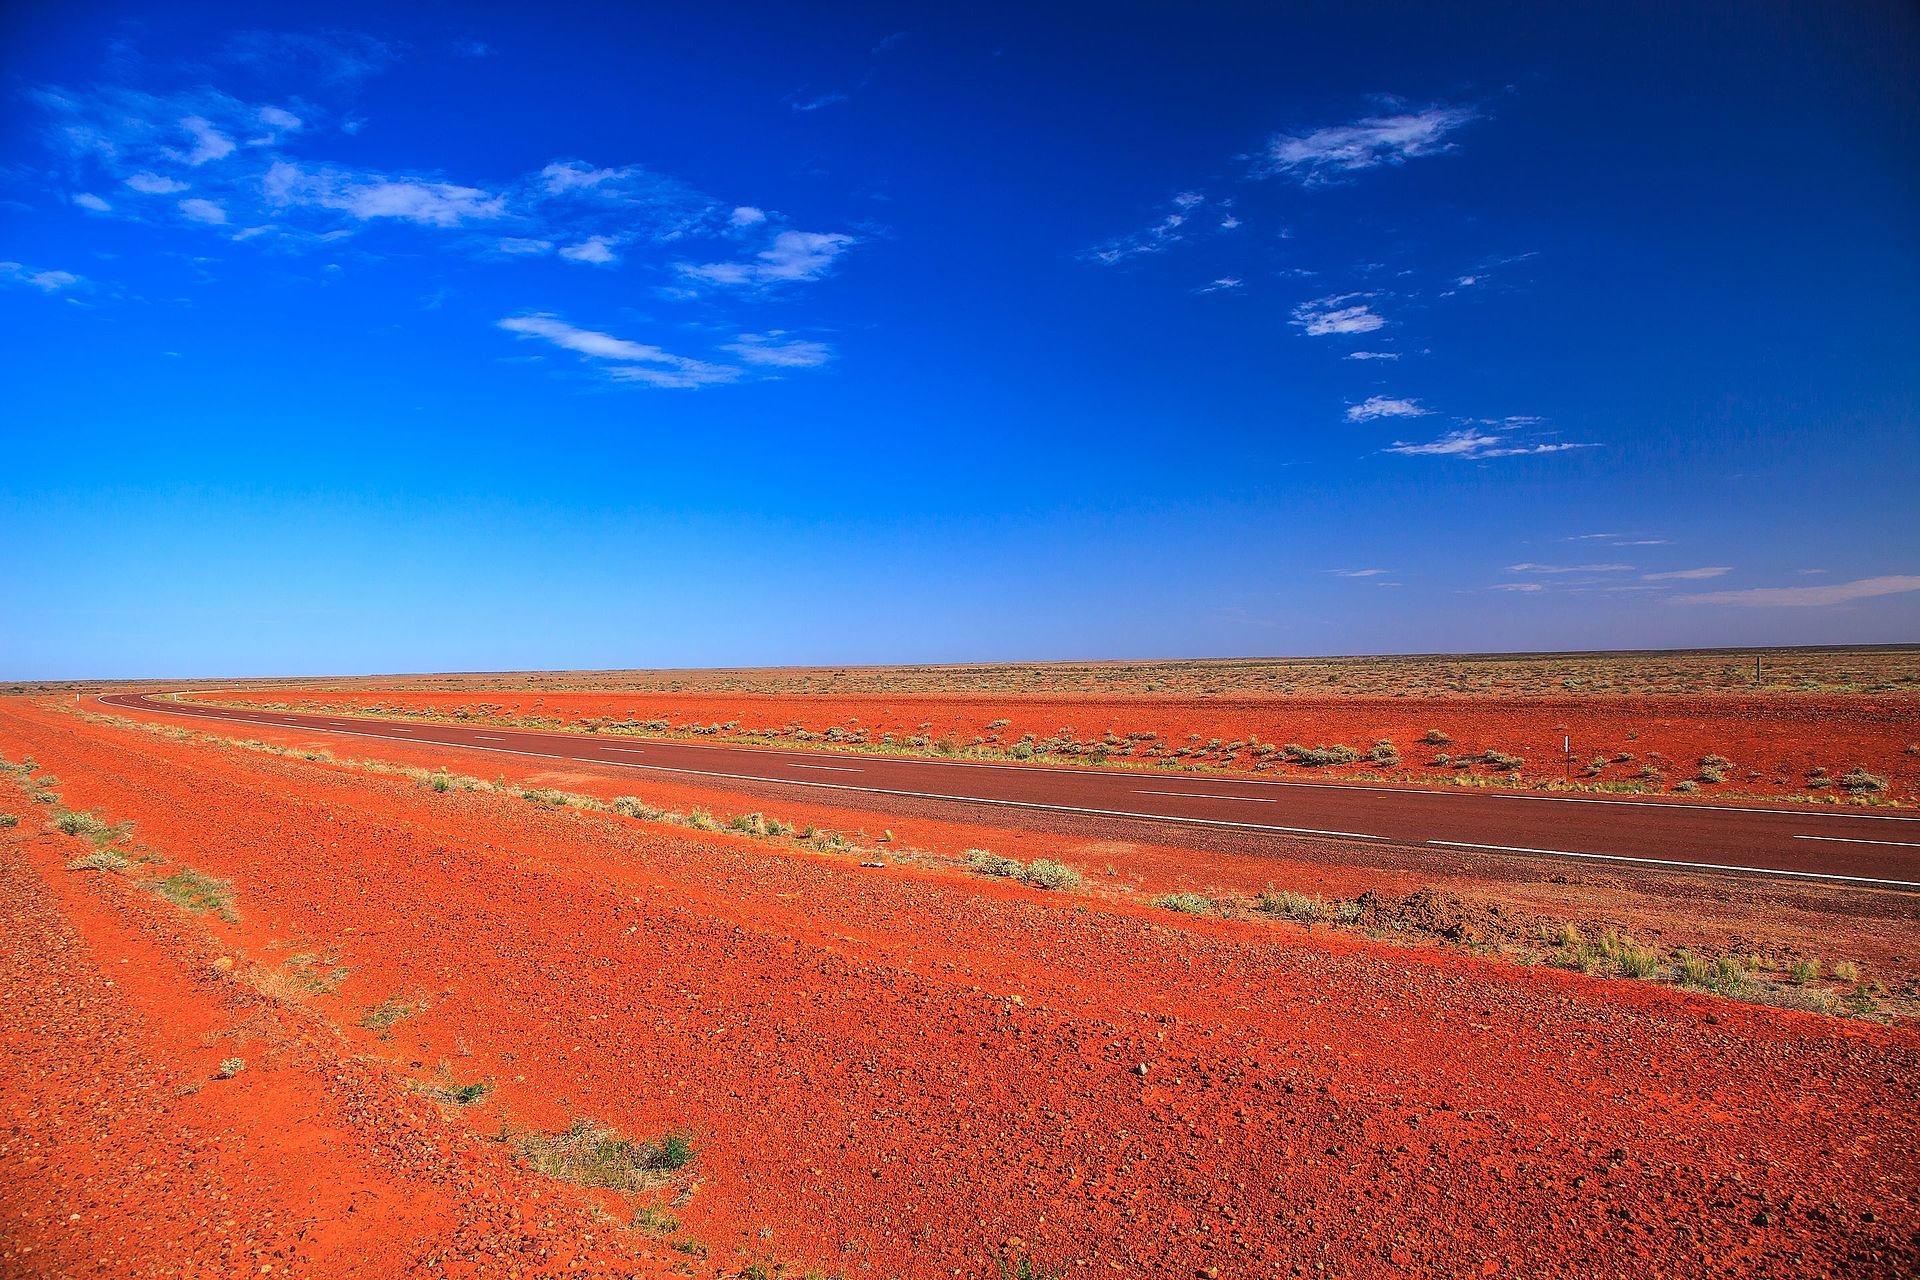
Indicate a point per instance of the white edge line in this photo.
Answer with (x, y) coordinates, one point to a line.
(1897, 844)
(1670, 862)
(844, 786)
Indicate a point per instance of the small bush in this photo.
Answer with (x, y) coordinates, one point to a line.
(1846, 971)
(1303, 908)
(1043, 873)
(1804, 971)
(8, 820)
(1435, 738)
(1859, 782)
(99, 860)
(634, 807)
(592, 1155)
(1317, 757)
(1501, 760)
(440, 781)
(992, 864)
(388, 1014)
(1021, 751)
(1384, 754)
(1709, 774)
(1192, 904)
(195, 891)
(1686, 786)
(701, 820)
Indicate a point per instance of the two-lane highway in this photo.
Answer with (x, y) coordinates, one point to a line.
(1840, 845)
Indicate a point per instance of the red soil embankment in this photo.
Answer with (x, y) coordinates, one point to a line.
(900, 1071)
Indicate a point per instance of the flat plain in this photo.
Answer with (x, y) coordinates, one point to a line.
(328, 1001)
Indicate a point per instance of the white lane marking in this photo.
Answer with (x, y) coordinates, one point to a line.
(1201, 795)
(1671, 862)
(490, 737)
(876, 791)
(1715, 808)
(830, 768)
(1452, 793)
(630, 751)
(1897, 844)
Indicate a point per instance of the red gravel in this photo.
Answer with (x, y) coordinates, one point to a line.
(890, 1072)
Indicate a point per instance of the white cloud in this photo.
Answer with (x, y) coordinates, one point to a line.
(152, 184)
(1222, 285)
(208, 142)
(1229, 222)
(1807, 597)
(1569, 568)
(1686, 575)
(595, 249)
(1373, 355)
(1156, 238)
(204, 211)
(1470, 442)
(824, 100)
(33, 278)
(525, 245)
(1358, 573)
(746, 216)
(1324, 155)
(1337, 314)
(1383, 407)
(777, 350)
(632, 361)
(367, 196)
(1516, 586)
(793, 256)
(88, 200)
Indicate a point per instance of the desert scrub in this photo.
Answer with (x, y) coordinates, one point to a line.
(1384, 754)
(389, 1013)
(196, 891)
(8, 820)
(1192, 904)
(1846, 971)
(635, 807)
(99, 860)
(992, 864)
(1044, 873)
(1316, 757)
(1435, 738)
(1857, 781)
(593, 1155)
(1302, 908)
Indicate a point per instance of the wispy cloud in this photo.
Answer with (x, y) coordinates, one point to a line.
(204, 211)
(1384, 407)
(779, 351)
(1162, 235)
(1373, 355)
(793, 256)
(1358, 573)
(1321, 156)
(1338, 314)
(152, 184)
(597, 250)
(1569, 568)
(46, 281)
(1619, 540)
(1225, 284)
(92, 203)
(368, 196)
(1516, 586)
(1688, 575)
(816, 103)
(1472, 443)
(627, 361)
(1807, 597)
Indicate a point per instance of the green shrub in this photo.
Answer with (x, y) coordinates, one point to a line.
(1303, 908)
(592, 1155)
(634, 807)
(1317, 757)
(992, 864)
(8, 820)
(1435, 738)
(1043, 873)
(1859, 782)
(1192, 904)
(195, 891)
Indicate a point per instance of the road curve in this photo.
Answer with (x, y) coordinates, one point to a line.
(1841, 846)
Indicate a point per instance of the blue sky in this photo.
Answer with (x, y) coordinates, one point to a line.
(393, 338)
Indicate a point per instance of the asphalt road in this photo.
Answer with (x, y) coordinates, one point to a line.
(1843, 846)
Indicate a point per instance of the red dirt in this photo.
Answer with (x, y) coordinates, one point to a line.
(1780, 738)
(891, 1072)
